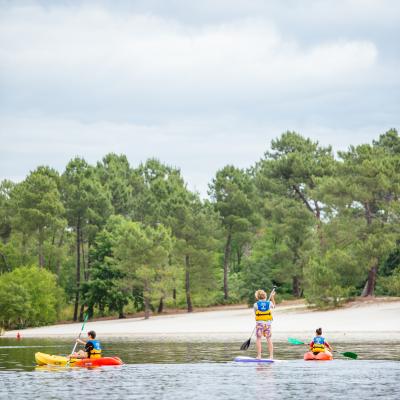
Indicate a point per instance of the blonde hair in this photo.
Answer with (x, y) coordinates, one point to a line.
(260, 294)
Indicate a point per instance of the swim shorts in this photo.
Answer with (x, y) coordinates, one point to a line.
(263, 329)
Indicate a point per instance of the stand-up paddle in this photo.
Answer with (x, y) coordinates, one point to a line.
(246, 344)
(76, 343)
(348, 354)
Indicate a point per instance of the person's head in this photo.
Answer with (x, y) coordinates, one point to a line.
(318, 331)
(260, 295)
(92, 334)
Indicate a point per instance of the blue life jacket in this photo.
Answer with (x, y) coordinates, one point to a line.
(318, 344)
(263, 312)
(94, 352)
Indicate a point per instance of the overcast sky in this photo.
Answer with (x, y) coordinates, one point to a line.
(198, 84)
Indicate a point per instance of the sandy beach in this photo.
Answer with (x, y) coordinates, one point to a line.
(368, 320)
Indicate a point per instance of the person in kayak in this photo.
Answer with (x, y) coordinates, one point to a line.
(319, 344)
(92, 347)
(263, 315)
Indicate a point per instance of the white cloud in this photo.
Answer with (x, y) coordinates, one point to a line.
(196, 84)
(86, 54)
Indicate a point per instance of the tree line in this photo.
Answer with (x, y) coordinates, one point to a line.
(112, 238)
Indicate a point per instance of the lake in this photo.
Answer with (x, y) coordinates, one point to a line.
(200, 370)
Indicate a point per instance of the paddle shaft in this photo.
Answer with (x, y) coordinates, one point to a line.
(80, 333)
(272, 293)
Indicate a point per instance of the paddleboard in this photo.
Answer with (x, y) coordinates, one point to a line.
(252, 360)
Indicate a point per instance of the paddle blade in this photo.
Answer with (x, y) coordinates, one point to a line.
(349, 354)
(245, 345)
(294, 341)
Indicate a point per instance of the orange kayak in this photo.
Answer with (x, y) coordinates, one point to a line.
(323, 356)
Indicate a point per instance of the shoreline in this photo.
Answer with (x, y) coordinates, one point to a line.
(373, 319)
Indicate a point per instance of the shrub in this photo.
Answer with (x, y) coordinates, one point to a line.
(389, 285)
(29, 296)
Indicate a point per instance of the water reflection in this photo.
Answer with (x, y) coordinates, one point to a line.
(20, 355)
(174, 370)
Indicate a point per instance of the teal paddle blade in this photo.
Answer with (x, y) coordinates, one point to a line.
(294, 341)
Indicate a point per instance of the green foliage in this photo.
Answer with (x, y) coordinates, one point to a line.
(87, 204)
(293, 167)
(389, 285)
(6, 188)
(233, 194)
(116, 176)
(323, 284)
(38, 208)
(29, 296)
(87, 207)
(123, 239)
(106, 287)
(160, 190)
(287, 179)
(142, 254)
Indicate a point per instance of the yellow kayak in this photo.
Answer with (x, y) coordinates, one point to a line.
(48, 359)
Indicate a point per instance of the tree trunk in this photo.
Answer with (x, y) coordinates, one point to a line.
(370, 284)
(89, 261)
(161, 305)
(40, 249)
(90, 311)
(317, 211)
(24, 248)
(81, 312)
(296, 286)
(51, 254)
(174, 296)
(368, 214)
(84, 261)
(227, 255)
(187, 284)
(8, 269)
(78, 269)
(146, 308)
(58, 262)
(146, 302)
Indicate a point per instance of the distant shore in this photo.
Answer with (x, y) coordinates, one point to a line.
(370, 319)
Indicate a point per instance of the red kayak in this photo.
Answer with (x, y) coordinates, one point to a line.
(97, 362)
(322, 356)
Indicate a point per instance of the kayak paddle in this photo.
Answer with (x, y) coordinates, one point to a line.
(348, 354)
(246, 344)
(76, 343)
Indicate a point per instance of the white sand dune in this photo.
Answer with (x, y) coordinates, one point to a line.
(370, 320)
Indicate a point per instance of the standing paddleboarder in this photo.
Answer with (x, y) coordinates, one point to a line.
(263, 315)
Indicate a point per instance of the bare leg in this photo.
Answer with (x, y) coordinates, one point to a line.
(79, 354)
(259, 347)
(270, 348)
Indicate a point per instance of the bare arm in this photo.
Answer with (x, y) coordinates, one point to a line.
(273, 299)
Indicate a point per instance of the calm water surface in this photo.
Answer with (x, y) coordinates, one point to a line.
(181, 370)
